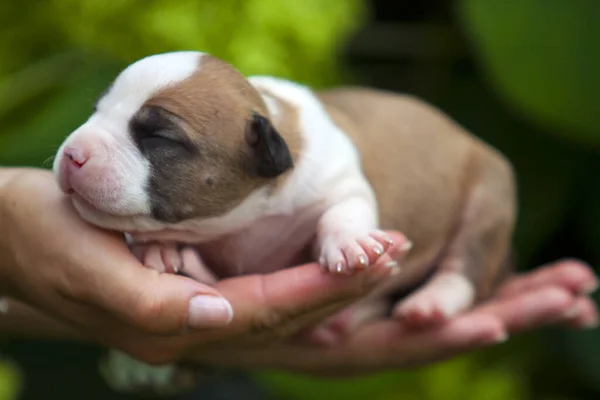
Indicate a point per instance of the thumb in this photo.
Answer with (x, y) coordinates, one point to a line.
(156, 303)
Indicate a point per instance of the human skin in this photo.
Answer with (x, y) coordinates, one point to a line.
(89, 280)
(67, 279)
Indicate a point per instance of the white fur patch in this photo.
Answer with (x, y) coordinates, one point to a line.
(142, 79)
(118, 169)
(327, 172)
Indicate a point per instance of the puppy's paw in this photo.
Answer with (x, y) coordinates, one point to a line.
(126, 374)
(343, 252)
(159, 256)
(444, 297)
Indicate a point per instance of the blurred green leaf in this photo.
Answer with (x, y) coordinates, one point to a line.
(458, 379)
(39, 77)
(37, 138)
(10, 380)
(257, 36)
(543, 57)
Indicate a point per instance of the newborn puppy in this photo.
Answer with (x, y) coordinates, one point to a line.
(183, 150)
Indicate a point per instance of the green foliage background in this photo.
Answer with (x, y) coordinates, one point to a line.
(541, 57)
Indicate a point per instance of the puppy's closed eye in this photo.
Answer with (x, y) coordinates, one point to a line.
(154, 130)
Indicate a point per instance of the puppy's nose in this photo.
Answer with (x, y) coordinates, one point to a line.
(76, 156)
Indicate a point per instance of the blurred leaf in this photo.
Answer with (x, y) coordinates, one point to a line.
(33, 81)
(257, 36)
(458, 379)
(543, 57)
(38, 138)
(377, 387)
(10, 381)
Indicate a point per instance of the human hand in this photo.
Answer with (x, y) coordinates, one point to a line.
(555, 294)
(90, 280)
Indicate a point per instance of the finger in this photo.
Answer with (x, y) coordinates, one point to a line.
(101, 272)
(338, 327)
(375, 347)
(153, 302)
(571, 274)
(529, 310)
(390, 345)
(284, 301)
(355, 316)
(583, 315)
(482, 327)
(279, 301)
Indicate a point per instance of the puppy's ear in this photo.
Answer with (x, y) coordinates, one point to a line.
(270, 151)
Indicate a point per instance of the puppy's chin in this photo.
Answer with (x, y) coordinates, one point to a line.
(117, 222)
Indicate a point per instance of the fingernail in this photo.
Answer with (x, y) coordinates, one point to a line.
(590, 288)
(362, 261)
(401, 252)
(502, 337)
(495, 338)
(571, 312)
(209, 311)
(406, 246)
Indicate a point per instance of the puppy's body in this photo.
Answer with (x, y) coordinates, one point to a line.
(450, 193)
(261, 173)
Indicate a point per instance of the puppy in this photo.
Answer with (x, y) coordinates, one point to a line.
(183, 150)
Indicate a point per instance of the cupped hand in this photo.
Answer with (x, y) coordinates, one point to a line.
(89, 279)
(554, 294)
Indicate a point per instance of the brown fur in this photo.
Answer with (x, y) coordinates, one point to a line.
(287, 125)
(213, 109)
(451, 194)
(424, 169)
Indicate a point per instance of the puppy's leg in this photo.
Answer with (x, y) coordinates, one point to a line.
(162, 257)
(170, 258)
(347, 237)
(476, 254)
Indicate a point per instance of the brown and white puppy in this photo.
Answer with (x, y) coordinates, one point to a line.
(184, 150)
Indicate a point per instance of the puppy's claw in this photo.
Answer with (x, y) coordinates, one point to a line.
(362, 261)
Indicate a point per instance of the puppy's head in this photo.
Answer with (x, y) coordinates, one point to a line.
(177, 136)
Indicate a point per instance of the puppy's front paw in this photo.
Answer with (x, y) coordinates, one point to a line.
(342, 252)
(160, 257)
